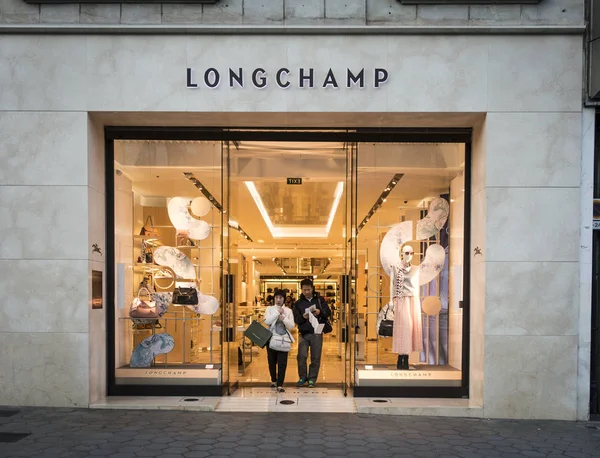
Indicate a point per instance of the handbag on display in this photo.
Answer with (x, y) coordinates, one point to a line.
(142, 306)
(185, 296)
(386, 327)
(148, 229)
(258, 334)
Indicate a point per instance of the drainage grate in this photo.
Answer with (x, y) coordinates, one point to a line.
(8, 413)
(286, 402)
(380, 400)
(12, 437)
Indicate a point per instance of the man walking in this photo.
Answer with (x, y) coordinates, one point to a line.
(308, 339)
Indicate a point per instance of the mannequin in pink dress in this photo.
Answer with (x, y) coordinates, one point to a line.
(408, 334)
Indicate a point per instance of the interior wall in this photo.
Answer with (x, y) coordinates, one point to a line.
(455, 270)
(128, 213)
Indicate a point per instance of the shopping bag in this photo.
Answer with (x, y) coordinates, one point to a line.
(258, 334)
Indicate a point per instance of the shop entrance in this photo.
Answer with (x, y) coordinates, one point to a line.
(292, 208)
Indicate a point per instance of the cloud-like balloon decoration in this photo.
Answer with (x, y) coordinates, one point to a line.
(401, 233)
(182, 220)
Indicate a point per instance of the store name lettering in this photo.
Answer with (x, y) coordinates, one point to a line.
(165, 372)
(284, 78)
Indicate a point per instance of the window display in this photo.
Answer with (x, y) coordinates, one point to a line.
(410, 255)
(167, 249)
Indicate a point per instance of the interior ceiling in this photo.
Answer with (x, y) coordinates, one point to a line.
(157, 170)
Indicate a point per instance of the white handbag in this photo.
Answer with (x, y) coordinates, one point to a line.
(280, 342)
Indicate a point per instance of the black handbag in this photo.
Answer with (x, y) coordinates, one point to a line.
(185, 296)
(386, 327)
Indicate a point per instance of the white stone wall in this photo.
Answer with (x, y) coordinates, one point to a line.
(307, 13)
(522, 94)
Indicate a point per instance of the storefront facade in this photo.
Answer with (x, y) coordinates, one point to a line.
(515, 94)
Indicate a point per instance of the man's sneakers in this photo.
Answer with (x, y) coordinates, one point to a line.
(301, 382)
(311, 383)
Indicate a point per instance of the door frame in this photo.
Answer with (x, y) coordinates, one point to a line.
(296, 134)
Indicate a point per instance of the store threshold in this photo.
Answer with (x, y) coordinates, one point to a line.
(325, 400)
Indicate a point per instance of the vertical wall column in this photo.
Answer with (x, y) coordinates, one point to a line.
(532, 264)
(44, 254)
(96, 258)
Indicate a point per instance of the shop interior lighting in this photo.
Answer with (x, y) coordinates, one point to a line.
(278, 263)
(296, 231)
(380, 200)
(206, 193)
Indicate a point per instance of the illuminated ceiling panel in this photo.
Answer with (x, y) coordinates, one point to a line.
(305, 211)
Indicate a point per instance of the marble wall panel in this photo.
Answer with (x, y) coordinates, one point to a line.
(532, 224)
(43, 73)
(476, 367)
(304, 13)
(43, 296)
(97, 339)
(18, 12)
(44, 369)
(96, 229)
(136, 72)
(585, 261)
(42, 148)
(532, 377)
(96, 153)
(427, 73)
(431, 65)
(554, 83)
(43, 222)
(477, 299)
(533, 149)
(532, 298)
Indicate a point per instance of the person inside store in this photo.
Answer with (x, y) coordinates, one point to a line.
(310, 334)
(280, 321)
(289, 301)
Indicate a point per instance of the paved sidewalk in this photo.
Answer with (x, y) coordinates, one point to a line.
(170, 434)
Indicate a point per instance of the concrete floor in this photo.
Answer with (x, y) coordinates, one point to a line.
(176, 433)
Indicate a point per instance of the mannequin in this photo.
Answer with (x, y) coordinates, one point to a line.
(408, 334)
(405, 278)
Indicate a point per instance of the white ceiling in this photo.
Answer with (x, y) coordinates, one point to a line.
(157, 170)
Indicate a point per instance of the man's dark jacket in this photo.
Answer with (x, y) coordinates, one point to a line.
(299, 308)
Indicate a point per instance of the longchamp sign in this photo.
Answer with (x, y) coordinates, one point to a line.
(284, 78)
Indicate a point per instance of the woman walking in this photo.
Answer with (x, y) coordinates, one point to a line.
(280, 321)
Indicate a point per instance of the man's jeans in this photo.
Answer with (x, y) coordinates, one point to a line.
(315, 342)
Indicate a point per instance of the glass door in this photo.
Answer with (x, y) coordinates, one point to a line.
(350, 262)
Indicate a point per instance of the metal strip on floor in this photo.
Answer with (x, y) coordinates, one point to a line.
(293, 400)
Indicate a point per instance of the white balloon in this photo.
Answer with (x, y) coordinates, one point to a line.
(200, 206)
(207, 305)
(179, 215)
(200, 231)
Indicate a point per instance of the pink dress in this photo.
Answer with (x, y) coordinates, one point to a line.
(408, 332)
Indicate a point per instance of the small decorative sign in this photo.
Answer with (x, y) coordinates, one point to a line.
(294, 181)
(97, 300)
(596, 214)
